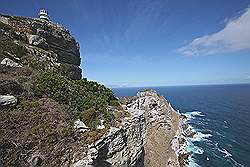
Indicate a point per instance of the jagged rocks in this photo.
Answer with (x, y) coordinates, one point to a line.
(119, 146)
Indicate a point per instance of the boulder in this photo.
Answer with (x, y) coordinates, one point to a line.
(7, 100)
(80, 126)
(9, 62)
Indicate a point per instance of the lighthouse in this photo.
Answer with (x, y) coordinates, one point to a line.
(43, 15)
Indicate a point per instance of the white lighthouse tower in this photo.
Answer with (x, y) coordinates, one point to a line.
(43, 15)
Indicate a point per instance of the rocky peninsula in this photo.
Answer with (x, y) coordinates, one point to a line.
(50, 116)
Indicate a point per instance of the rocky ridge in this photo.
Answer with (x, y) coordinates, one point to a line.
(38, 44)
(151, 136)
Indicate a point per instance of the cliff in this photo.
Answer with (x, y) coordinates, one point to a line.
(151, 136)
(38, 44)
(49, 116)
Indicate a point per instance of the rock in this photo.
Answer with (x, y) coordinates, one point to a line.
(9, 62)
(37, 40)
(36, 161)
(120, 146)
(80, 126)
(7, 100)
(4, 20)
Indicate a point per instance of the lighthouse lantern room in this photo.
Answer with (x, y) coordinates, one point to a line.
(43, 15)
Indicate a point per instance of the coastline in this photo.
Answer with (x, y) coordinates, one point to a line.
(165, 145)
(153, 135)
(178, 143)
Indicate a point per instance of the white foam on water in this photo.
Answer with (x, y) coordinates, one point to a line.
(229, 155)
(191, 162)
(197, 113)
(192, 115)
(190, 147)
(198, 136)
(224, 151)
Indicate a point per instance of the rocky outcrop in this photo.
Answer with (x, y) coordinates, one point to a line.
(38, 44)
(149, 137)
(8, 62)
(120, 146)
(7, 100)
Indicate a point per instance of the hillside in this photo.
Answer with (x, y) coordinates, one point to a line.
(42, 94)
(51, 116)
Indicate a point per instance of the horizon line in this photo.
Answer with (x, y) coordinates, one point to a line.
(215, 84)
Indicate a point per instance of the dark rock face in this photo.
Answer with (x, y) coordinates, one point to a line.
(39, 44)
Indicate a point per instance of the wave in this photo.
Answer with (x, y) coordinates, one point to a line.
(198, 136)
(224, 151)
(219, 134)
(192, 163)
(227, 154)
(193, 114)
(190, 147)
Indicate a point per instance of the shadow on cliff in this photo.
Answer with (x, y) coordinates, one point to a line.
(140, 161)
(101, 160)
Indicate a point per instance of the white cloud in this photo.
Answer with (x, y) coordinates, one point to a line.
(235, 36)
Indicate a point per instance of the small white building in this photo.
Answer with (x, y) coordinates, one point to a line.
(43, 15)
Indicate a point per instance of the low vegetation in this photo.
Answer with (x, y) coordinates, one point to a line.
(89, 99)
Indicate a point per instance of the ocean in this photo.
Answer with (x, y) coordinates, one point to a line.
(220, 115)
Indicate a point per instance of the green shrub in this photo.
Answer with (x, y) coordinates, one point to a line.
(90, 118)
(88, 98)
(9, 46)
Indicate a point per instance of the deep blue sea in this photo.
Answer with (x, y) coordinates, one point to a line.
(220, 114)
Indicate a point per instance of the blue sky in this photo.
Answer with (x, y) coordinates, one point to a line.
(154, 42)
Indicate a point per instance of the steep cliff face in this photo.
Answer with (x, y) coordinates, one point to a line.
(38, 44)
(121, 146)
(149, 137)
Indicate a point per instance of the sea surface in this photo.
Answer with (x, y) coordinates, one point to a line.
(220, 114)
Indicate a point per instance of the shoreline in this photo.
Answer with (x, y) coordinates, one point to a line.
(178, 143)
(166, 135)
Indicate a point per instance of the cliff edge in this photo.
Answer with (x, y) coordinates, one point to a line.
(38, 44)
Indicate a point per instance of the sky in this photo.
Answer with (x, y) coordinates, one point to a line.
(153, 42)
